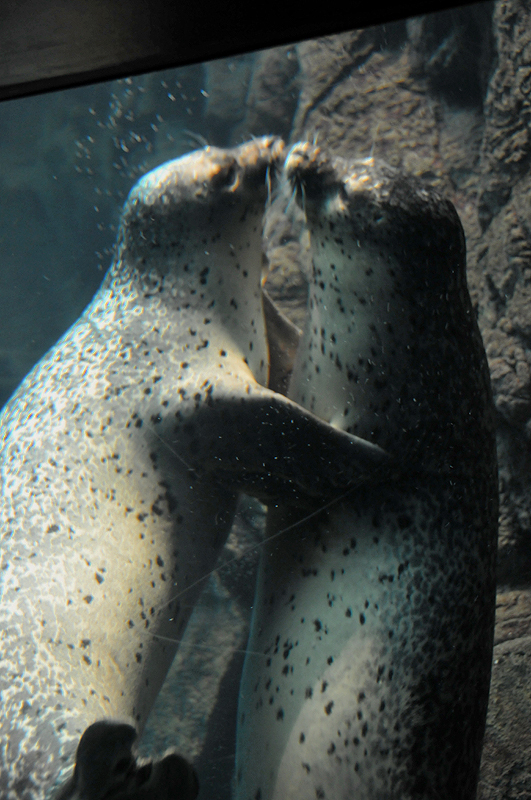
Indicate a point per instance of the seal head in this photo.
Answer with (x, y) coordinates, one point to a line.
(391, 350)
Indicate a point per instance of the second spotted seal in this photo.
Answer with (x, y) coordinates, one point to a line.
(370, 652)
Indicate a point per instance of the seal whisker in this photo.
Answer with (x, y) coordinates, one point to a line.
(269, 188)
(194, 138)
(373, 145)
(291, 200)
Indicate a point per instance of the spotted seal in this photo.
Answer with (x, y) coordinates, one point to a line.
(375, 617)
(122, 453)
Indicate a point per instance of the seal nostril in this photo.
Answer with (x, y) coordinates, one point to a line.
(230, 177)
(226, 177)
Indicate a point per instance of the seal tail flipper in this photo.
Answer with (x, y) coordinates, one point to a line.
(107, 766)
(270, 447)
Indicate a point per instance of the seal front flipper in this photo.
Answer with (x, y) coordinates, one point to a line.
(283, 337)
(270, 447)
(106, 767)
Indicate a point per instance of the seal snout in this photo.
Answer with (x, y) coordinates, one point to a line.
(307, 170)
(203, 174)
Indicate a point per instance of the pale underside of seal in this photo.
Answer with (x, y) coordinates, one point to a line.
(374, 619)
(121, 455)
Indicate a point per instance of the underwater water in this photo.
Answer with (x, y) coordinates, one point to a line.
(443, 98)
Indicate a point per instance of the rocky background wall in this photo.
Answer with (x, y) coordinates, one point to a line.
(446, 97)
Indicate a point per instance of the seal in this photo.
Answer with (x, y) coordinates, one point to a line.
(123, 450)
(374, 617)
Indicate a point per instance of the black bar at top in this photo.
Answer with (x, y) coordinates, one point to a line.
(53, 44)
